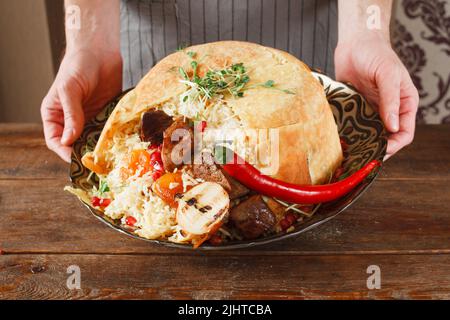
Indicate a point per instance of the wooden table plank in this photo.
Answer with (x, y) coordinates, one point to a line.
(218, 277)
(428, 157)
(23, 155)
(390, 217)
(401, 224)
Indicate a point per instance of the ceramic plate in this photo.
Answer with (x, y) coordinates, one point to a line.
(359, 125)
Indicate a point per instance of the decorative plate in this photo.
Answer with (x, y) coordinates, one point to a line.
(359, 126)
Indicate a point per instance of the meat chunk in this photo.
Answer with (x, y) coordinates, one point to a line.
(237, 189)
(209, 171)
(253, 217)
(153, 124)
(177, 145)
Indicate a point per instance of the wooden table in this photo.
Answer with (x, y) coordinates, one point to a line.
(402, 225)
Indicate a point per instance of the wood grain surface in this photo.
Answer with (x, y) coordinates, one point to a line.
(402, 224)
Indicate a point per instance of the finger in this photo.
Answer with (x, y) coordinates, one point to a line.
(64, 152)
(71, 96)
(408, 111)
(53, 121)
(388, 80)
(397, 141)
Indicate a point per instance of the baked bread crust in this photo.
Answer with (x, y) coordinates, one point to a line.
(309, 145)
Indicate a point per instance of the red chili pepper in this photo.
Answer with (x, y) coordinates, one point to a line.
(305, 194)
(100, 202)
(130, 221)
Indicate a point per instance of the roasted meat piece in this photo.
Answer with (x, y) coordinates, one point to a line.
(237, 189)
(208, 170)
(153, 124)
(252, 217)
(177, 145)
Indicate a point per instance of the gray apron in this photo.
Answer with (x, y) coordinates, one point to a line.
(152, 29)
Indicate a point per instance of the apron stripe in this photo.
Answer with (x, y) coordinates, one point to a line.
(152, 29)
(140, 40)
(314, 35)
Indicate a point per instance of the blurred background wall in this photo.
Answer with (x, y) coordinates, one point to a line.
(32, 41)
(420, 33)
(32, 34)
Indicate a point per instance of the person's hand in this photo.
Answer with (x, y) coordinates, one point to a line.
(369, 63)
(86, 80)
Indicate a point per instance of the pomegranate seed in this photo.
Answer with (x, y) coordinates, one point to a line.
(95, 201)
(157, 166)
(306, 209)
(104, 202)
(339, 171)
(284, 224)
(100, 202)
(202, 126)
(130, 221)
(157, 174)
(291, 218)
(153, 146)
(155, 156)
(215, 240)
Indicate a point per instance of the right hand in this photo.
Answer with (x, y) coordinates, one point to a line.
(85, 82)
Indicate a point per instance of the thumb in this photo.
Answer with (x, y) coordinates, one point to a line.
(71, 96)
(388, 82)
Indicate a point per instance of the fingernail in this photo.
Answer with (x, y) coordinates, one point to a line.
(393, 121)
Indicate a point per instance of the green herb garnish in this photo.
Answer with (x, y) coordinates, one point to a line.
(103, 187)
(229, 80)
(232, 80)
(269, 84)
(183, 73)
(181, 47)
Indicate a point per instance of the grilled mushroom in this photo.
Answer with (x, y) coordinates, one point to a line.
(202, 209)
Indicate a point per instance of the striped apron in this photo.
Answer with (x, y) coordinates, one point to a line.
(152, 29)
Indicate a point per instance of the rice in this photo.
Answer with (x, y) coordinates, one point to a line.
(132, 196)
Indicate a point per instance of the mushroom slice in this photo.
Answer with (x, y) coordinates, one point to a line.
(202, 209)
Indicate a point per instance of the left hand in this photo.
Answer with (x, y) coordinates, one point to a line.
(369, 63)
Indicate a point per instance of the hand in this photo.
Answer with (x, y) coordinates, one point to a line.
(86, 80)
(369, 63)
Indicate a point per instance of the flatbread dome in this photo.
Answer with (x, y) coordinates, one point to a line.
(309, 145)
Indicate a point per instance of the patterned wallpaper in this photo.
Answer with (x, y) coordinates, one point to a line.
(421, 37)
